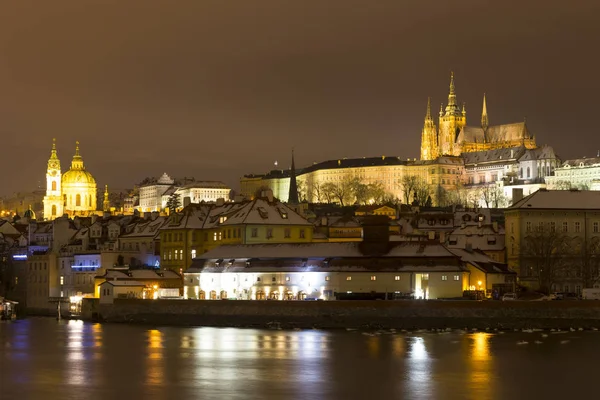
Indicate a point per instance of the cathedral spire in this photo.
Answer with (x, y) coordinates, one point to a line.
(293, 193)
(428, 114)
(452, 94)
(484, 115)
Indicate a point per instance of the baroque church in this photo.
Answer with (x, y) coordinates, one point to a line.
(72, 193)
(454, 137)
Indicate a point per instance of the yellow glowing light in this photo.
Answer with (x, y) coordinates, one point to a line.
(479, 283)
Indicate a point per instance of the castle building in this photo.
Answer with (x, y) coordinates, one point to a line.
(72, 193)
(454, 137)
(459, 164)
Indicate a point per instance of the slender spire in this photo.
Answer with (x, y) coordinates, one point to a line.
(106, 203)
(441, 109)
(53, 154)
(452, 94)
(484, 116)
(464, 109)
(293, 194)
(428, 114)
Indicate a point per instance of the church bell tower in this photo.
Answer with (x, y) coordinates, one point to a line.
(53, 201)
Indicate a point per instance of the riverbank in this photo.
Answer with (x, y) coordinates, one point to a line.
(409, 315)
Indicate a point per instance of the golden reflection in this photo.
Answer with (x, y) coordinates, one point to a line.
(374, 345)
(155, 367)
(97, 332)
(398, 346)
(480, 377)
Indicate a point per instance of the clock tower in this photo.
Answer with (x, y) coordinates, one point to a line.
(53, 201)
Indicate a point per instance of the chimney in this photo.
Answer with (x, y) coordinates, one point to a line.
(517, 195)
(187, 201)
(376, 235)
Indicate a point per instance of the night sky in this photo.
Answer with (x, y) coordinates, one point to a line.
(217, 89)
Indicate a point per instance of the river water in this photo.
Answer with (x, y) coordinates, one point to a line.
(41, 358)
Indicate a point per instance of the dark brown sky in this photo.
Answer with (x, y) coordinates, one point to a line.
(216, 89)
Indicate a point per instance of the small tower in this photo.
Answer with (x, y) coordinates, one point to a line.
(429, 143)
(293, 193)
(53, 200)
(106, 202)
(484, 116)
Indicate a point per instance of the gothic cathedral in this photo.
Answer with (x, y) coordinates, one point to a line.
(72, 193)
(454, 137)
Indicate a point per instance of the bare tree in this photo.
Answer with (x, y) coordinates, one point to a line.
(493, 196)
(422, 191)
(589, 263)
(328, 192)
(545, 254)
(407, 186)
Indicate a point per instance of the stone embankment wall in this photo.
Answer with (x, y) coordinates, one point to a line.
(414, 314)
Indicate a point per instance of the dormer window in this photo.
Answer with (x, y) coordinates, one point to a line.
(222, 219)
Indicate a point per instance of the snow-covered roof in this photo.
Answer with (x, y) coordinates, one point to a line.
(480, 260)
(559, 200)
(123, 283)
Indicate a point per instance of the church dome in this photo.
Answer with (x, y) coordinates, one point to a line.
(29, 214)
(74, 176)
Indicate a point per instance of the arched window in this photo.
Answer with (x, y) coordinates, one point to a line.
(77, 200)
(53, 185)
(528, 172)
(53, 210)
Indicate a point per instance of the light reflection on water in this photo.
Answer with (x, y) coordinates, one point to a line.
(43, 358)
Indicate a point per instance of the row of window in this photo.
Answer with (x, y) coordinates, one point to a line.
(349, 278)
(551, 226)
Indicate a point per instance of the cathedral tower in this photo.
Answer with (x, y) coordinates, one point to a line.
(429, 140)
(452, 120)
(53, 201)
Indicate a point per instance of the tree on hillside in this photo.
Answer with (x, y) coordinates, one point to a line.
(493, 196)
(407, 186)
(545, 256)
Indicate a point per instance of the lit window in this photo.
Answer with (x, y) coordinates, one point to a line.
(301, 233)
(287, 278)
(62, 280)
(444, 277)
(287, 233)
(193, 253)
(397, 278)
(373, 278)
(425, 276)
(215, 236)
(327, 278)
(348, 278)
(457, 277)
